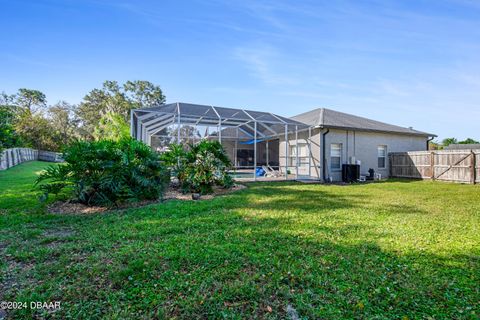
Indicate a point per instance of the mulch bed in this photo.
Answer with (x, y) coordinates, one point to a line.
(71, 207)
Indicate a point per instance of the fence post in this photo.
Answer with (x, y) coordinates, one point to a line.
(432, 165)
(473, 166)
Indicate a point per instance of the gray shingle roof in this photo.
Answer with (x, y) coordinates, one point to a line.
(327, 118)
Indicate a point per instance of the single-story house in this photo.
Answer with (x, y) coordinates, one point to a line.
(345, 138)
(311, 145)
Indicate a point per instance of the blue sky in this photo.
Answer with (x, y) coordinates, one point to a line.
(411, 63)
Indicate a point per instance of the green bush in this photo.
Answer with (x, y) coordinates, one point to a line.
(200, 166)
(107, 173)
(176, 160)
(8, 136)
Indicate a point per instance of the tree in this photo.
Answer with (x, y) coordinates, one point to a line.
(36, 131)
(64, 124)
(434, 145)
(118, 99)
(30, 100)
(163, 139)
(28, 120)
(469, 141)
(7, 99)
(144, 93)
(31, 127)
(8, 137)
(112, 126)
(449, 141)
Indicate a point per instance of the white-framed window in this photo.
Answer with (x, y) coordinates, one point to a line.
(302, 155)
(336, 156)
(382, 156)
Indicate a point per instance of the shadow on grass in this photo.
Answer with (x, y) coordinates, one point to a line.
(224, 267)
(245, 254)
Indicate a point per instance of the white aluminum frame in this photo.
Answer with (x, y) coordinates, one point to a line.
(149, 121)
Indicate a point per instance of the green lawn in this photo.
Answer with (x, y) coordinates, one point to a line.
(392, 250)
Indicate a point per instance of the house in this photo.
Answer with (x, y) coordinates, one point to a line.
(344, 138)
(311, 145)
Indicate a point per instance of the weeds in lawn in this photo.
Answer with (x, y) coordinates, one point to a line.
(275, 250)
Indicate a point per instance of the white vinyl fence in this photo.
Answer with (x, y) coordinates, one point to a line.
(12, 157)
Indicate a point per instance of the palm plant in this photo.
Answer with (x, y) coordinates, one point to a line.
(107, 172)
(200, 166)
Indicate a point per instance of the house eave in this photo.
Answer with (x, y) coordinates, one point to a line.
(418, 134)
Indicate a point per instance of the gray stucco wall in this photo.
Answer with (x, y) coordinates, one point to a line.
(359, 144)
(363, 146)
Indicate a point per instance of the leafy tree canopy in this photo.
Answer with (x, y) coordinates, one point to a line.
(118, 99)
(112, 126)
(26, 120)
(30, 100)
(449, 141)
(8, 138)
(63, 122)
(468, 141)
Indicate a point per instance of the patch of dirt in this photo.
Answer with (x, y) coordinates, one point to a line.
(175, 194)
(54, 238)
(61, 207)
(75, 208)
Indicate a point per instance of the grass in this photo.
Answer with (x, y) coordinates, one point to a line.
(392, 250)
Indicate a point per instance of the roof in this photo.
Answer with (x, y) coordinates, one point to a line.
(233, 133)
(459, 146)
(327, 118)
(149, 121)
(189, 110)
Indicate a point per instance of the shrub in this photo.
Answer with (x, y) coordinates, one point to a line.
(199, 166)
(176, 160)
(107, 172)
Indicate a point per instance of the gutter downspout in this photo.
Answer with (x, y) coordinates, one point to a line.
(428, 142)
(323, 155)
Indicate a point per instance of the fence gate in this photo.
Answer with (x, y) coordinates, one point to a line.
(446, 165)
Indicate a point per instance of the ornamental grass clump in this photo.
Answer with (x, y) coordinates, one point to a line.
(107, 173)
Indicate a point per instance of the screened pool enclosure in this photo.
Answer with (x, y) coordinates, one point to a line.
(252, 139)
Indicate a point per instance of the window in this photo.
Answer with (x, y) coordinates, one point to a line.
(382, 156)
(302, 155)
(336, 156)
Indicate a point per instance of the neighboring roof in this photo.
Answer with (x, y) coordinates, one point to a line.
(327, 118)
(462, 146)
(231, 132)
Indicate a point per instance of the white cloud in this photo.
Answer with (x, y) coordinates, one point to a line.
(264, 62)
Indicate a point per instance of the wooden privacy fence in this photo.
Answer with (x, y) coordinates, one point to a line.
(446, 165)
